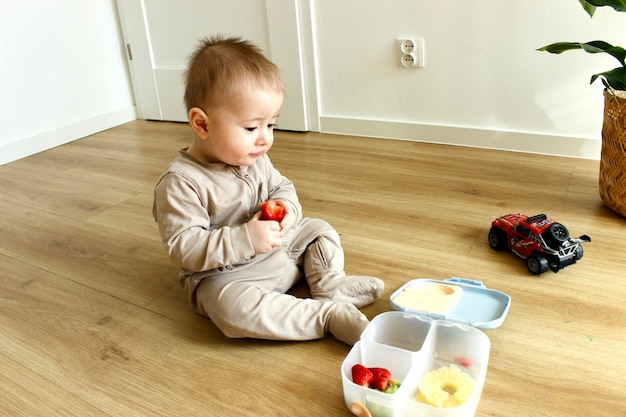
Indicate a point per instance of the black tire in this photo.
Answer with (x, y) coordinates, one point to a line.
(537, 264)
(556, 234)
(579, 252)
(497, 239)
(559, 232)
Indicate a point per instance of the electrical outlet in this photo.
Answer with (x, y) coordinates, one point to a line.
(411, 52)
(407, 46)
(408, 60)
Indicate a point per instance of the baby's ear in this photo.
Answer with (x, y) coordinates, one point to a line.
(199, 122)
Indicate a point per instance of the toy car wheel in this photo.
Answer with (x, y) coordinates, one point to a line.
(497, 239)
(579, 252)
(537, 264)
(559, 232)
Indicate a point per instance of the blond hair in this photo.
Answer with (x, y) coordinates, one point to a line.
(222, 68)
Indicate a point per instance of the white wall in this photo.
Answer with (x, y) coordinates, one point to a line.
(484, 83)
(63, 73)
(64, 76)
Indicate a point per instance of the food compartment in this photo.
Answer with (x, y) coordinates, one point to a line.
(453, 377)
(426, 296)
(400, 330)
(455, 299)
(461, 345)
(398, 361)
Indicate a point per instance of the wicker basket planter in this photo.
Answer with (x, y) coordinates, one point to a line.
(613, 156)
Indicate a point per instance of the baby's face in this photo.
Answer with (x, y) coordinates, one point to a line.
(243, 132)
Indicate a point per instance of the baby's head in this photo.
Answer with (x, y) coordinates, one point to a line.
(221, 69)
(233, 96)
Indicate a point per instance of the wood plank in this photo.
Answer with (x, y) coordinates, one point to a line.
(25, 393)
(118, 263)
(125, 360)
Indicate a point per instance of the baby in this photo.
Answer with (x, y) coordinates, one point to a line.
(235, 267)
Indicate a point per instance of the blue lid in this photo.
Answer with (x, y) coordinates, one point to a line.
(454, 299)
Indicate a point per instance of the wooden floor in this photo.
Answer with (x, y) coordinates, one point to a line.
(93, 322)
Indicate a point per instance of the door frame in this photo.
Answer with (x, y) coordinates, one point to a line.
(291, 46)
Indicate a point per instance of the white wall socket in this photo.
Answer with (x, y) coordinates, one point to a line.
(407, 46)
(411, 52)
(407, 60)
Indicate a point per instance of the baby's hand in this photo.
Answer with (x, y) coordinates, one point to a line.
(289, 218)
(264, 234)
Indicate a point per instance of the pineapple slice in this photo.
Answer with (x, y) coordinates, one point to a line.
(446, 387)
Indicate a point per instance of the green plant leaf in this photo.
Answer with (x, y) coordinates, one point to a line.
(616, 52)
(615, 79)
(619, 5)
(589, 8)
(558, 47)
(593, 47)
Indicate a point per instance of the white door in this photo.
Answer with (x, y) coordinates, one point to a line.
(160, 35)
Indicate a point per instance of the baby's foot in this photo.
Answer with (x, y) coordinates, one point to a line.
(353, 289)
(347, 323)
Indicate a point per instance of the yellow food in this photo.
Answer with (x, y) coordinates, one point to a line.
(446, 387)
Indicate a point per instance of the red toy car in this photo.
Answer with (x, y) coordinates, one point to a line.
(542, 241)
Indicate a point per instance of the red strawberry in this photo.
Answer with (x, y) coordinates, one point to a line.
(466, 362)
(270, 210)
(361, 375)
(381, 378)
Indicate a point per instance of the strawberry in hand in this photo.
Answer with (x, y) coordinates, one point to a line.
(271, 210)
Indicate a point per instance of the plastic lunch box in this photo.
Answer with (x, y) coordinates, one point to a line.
(436, 323)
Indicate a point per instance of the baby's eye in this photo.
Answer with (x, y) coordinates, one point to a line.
(251, 129)
(271, 126)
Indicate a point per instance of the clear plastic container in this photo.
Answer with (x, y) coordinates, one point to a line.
(435, 326)
(410, 346)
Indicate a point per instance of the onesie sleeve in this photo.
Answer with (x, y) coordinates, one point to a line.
(281, 188)
(184, 225)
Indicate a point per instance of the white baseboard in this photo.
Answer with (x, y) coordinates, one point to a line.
(448, 135)
(31, 145)
(460, 136)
